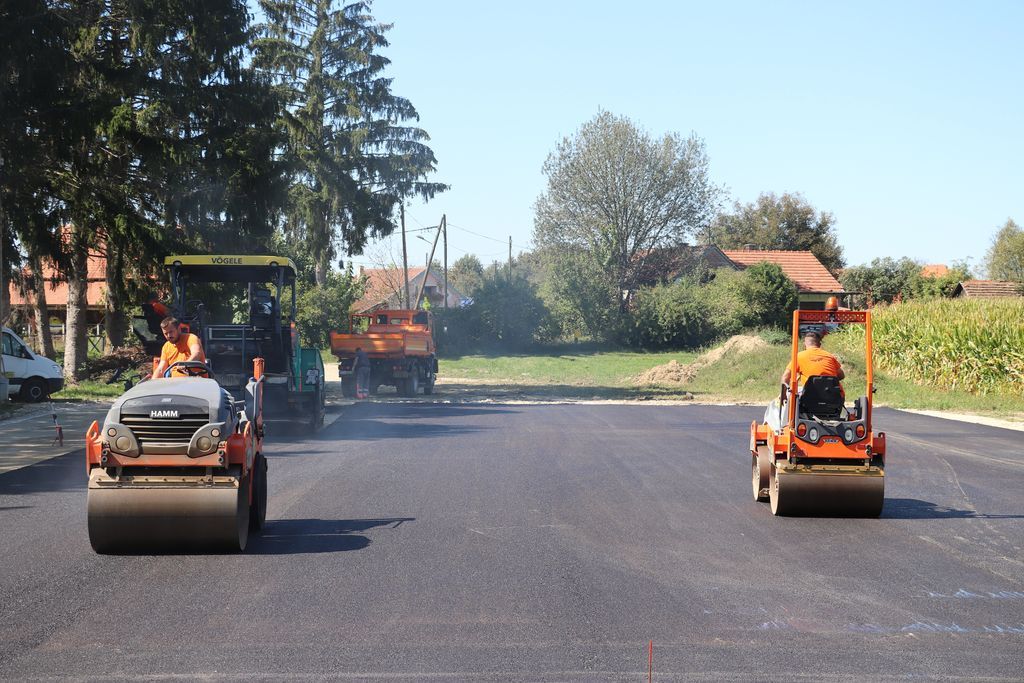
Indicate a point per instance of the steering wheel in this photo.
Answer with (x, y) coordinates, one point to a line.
(192, 368)
(193, 308)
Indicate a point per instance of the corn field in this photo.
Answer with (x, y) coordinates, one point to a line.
(970, 345)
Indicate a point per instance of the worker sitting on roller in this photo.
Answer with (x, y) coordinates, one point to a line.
(814, 361)
(178, 347)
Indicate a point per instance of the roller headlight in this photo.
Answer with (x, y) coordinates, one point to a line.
(204, 443)
(812, 433)
(122, 443)
(848, 435)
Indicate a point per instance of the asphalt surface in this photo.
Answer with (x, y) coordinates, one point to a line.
(521, 542)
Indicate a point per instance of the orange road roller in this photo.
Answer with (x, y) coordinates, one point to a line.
(813, 454)
(178, 465)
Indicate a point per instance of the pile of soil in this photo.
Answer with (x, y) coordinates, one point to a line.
(674, 372)
(124, 363)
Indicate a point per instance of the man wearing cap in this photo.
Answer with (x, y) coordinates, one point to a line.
(814, 361)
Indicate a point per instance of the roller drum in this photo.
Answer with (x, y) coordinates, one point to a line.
(137, 517)
(827, 494)
(761, 474)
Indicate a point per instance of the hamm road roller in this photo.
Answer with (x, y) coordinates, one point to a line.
(178, 465)
(814, 454)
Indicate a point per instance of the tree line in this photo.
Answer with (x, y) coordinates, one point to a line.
(138, 129)
(619, 208)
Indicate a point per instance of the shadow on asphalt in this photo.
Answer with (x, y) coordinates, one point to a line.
(63, 473)
(301, 536)
(912, 508)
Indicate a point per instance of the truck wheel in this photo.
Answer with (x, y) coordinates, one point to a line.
(428, 387)
(412, 383)
(348, 387)
(33, 390)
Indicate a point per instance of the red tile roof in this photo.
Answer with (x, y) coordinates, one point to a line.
(384, 283)
(802, 267)
(988, 289)
(935, 270)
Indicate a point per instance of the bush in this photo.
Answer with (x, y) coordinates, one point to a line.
(322, 309)
(688, 313)
(673, 315)
(504, 315)
(768, 295)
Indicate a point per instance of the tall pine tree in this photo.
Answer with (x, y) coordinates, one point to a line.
(350, 157)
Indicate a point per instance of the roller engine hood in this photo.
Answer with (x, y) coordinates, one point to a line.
(181, 395)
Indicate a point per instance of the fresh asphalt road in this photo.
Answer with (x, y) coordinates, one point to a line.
(539, 542)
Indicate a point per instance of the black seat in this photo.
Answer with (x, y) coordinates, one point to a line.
(261, 312)
(822, 397)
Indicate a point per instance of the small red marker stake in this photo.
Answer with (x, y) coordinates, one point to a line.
(650, 661)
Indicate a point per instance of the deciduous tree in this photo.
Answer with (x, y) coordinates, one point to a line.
(466, 274)
(779, 222)
(615, 193)
(1005, 258)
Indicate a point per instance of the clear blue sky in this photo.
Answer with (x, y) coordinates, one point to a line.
(902, 119)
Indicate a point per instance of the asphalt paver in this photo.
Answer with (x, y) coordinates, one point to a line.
(527, 542)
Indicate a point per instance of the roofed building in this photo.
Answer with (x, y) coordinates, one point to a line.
(56, 291)
(385, 288)
(814, 283)
(988, 289)
(935, 270)
(670, 264)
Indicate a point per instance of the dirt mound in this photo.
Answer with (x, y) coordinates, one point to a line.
(674, 372)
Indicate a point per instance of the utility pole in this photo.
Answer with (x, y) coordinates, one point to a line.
(444, 234)
(430, 259)
(405, 259)
(510, 259)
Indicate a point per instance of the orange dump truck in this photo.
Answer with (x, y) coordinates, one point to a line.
(400, 345)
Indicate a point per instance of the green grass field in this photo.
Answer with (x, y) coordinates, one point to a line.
(613, 369)
(747, 377)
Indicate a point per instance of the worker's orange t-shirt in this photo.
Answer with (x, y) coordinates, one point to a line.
(173, 353)
(816, 362)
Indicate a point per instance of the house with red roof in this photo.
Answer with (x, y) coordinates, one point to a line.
(988, 289)
(814, 283)
(385, 288)
(935, 270)
(56, 290)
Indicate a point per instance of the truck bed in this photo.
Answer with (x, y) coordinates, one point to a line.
(383, 344)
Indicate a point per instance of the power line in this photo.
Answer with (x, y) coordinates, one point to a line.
(488, 237)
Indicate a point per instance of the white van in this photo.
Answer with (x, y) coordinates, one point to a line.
(32, 376)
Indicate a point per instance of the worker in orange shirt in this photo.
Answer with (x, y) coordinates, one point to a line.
(178, 347)
(814, 361)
